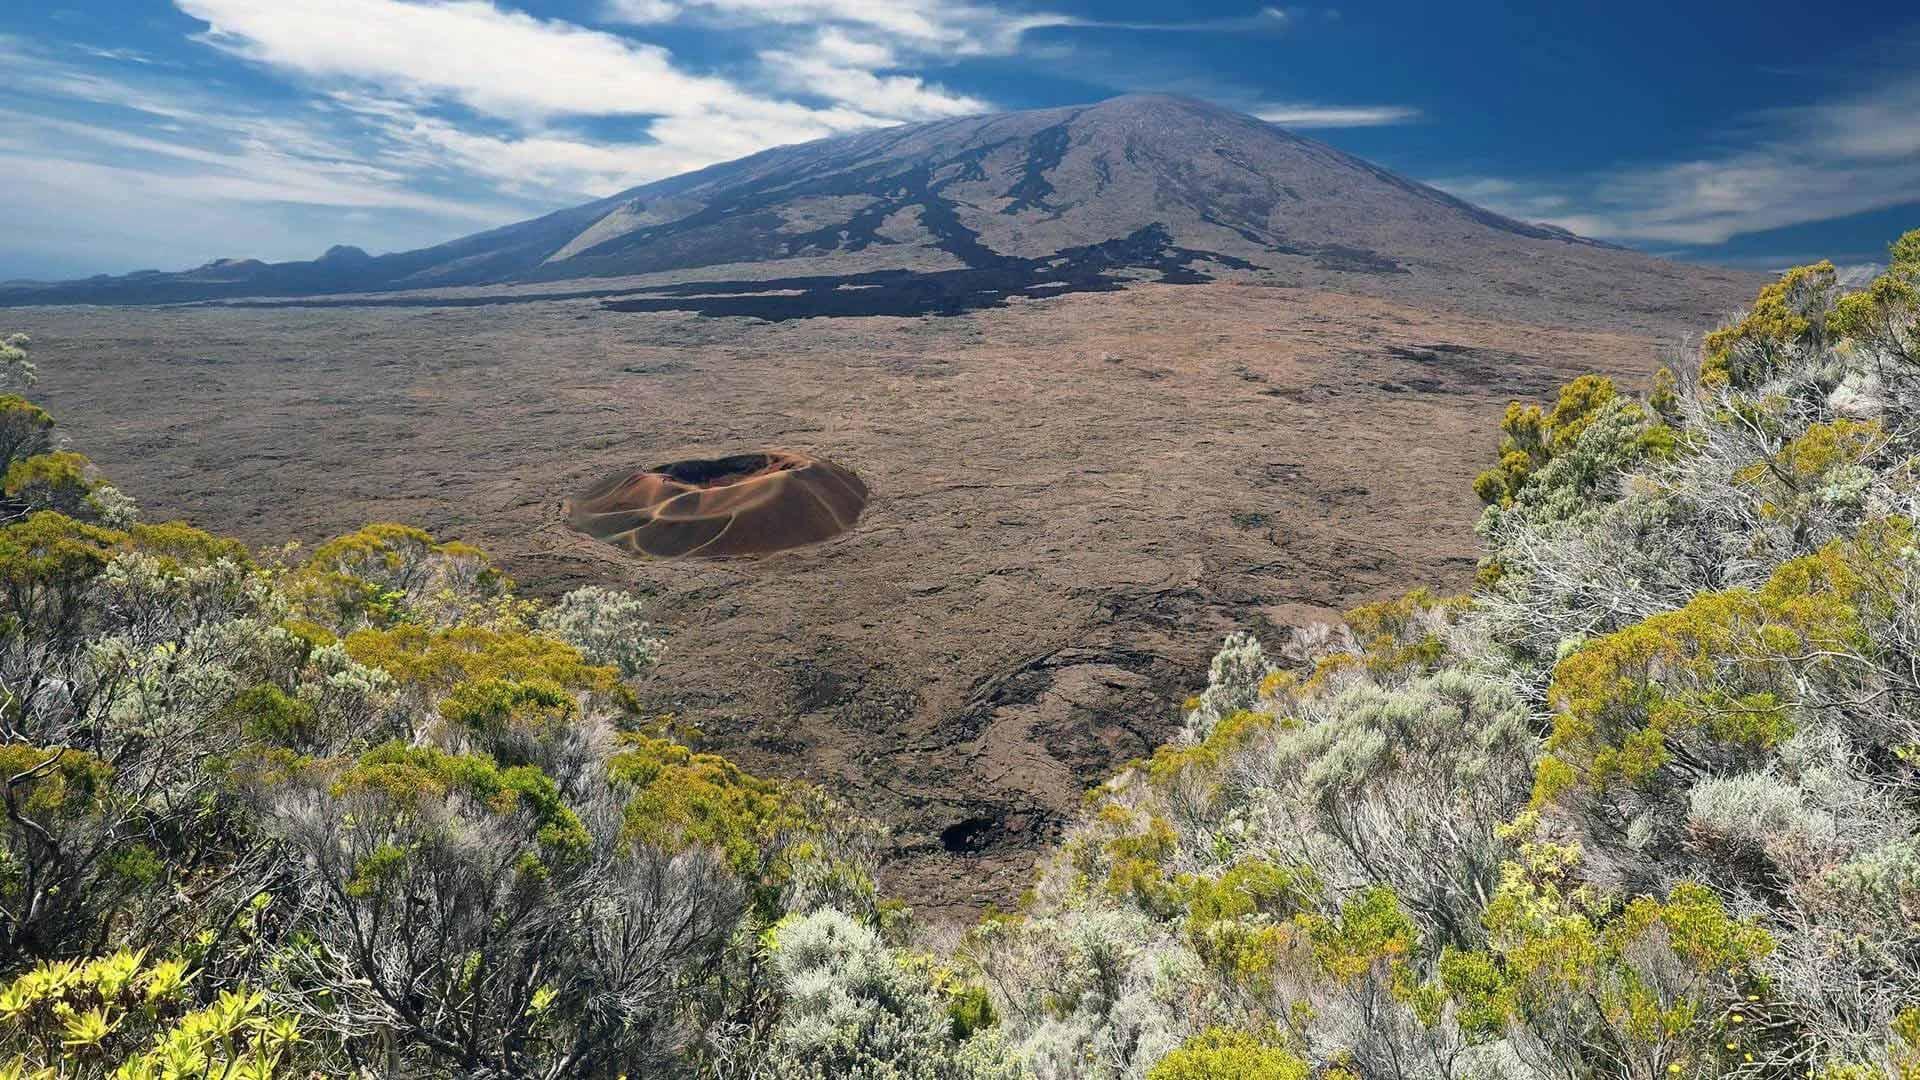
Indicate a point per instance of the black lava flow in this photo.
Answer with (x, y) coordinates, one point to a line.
(1093, 268)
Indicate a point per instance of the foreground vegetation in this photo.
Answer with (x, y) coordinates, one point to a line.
(363, 810)
(1645, 803)
(1642, 805)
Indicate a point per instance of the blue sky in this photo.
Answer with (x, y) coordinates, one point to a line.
(151, 134)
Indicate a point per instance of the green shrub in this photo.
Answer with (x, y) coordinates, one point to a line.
(1224, 1054)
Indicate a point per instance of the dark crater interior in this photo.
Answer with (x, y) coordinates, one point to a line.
(720, 472)
(972, 835)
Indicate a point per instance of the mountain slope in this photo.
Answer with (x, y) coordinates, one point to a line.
(1180, 182)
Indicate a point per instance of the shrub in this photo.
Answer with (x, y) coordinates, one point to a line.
(123, 1017)
(25, 430)
(16, 367)
(1222, 1054)
(607, 627)
(852, 1010)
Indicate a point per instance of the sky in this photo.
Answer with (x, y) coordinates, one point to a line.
(140, 134)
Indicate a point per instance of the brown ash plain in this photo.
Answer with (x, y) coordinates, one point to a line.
(1073, 498)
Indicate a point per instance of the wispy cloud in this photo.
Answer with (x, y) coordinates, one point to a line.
(1772, 170)
(493, 60)
(129, 56)
(128, 163)
(459, 111)
(545, 165)
(843, 70)
(865, 54)
(444, 71)
(199, 145)
(463, 111)
(1307, 115)
(1524, 201)
(951, 26)
(206, 177)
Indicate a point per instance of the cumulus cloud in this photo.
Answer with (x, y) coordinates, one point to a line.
(425, 60)
(490, 59)
(858, 53)
(872, 54)
(513, 65)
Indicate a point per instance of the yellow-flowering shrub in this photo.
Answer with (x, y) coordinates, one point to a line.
(1723, 668)
(125, 1017)
(1227, 1054)
(1788, 312)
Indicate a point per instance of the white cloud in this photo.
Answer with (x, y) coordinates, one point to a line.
(425, 119)
(231, 152)
(416, 56)
(545, 166)
(841, 68)
(951, 26)
(108, 168)
(193, 208)
(864, 53)
(228, 179)
(929, 29)
(857, 53)
(128, 56)
(29, 73)
(840, 48)
(645, 11)
(1779, 168)
(410, 99)
(1508, 197)
(1303, 115)
(493, 60)
(1882, 126)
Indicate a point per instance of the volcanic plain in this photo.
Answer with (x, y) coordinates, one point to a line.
(1071, 499)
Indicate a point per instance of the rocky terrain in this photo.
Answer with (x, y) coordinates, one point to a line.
(1117, 379)
(1072, 499)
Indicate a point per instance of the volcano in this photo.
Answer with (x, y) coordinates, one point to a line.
(746, 504)
(952, 215)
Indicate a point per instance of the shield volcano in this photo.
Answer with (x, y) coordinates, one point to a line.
(739, 506)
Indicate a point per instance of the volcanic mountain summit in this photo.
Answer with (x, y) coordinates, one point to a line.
(954, 214)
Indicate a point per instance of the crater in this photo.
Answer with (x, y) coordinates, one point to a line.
(967, 837)
(742, 505)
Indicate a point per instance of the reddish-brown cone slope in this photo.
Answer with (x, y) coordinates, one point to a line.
(744, 505)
